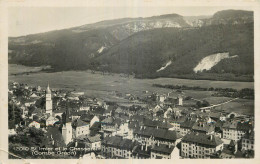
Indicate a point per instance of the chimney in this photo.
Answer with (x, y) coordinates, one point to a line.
(142, 147)
(158, 143)
(211, 137)
(169, 146)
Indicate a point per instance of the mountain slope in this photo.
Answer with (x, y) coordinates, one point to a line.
(146, 52)
(74, 48)
(145, 45)
(230, 17)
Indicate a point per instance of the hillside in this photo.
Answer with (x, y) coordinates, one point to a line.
(142, 54)
(159, 46)
(75, 48)
(230, 17)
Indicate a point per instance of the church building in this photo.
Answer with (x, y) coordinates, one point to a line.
(48, 105)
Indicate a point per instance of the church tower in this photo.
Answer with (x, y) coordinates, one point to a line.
(67, 129)
(48, 105)
(180, 100)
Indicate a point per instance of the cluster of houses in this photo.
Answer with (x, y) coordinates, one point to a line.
(164, 129)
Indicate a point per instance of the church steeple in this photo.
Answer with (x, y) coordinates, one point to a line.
(67, 116)
(67, 128)
(48, 100)
(48, 91)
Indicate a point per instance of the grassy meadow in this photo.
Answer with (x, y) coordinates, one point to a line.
(105, 86)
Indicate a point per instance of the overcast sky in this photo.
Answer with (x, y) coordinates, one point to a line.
(30, 20)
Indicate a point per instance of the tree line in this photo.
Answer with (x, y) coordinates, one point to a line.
(245, 93)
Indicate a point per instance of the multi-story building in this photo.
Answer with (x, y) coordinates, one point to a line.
(162, 151)
(93, 142)
(248, 141)
(233, 130)
(150, 136)
(176, 123)
(202, 127)
(80, 128)
(117, 147)
(186, 127)
(199, 145)
(142, 152)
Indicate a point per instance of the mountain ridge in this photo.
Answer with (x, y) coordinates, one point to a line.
(90, 46)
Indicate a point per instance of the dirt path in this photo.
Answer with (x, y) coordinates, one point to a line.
(212, 106)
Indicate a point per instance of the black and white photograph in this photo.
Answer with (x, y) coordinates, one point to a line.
(131, 82)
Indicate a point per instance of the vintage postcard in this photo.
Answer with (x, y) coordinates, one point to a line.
(131, 80)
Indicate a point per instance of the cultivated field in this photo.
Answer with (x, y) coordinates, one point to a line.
(105, 86)
(20, 69)
(241, 106)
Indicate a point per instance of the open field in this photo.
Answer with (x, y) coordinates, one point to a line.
(105, 86)
(240, 106)
(20, 69)
(217, 100)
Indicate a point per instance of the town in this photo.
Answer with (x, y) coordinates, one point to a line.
(57, 123)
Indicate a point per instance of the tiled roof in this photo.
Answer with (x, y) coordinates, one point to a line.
(119, 110)
(133, 125)
(237, 125)
(163, 148)
(187, 124)
(58, 111)
(158, 133)
(52, 118)
(119, 142)
(93, 139)
(154, 123)
(136, 118)
(178, 120)
(79, 123)
(99, 111)
(55, 134)
(86, 117)
(244, 126)
(108, 120)
(203, 127)
(226, 151)
(230, 125)
(215, 115)
(95, 126)
(37, 111)
(117, 121)
(201, 138)
(143, 153)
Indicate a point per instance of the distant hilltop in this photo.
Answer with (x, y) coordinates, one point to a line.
(142, 46)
